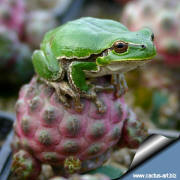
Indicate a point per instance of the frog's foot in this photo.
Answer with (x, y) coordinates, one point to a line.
(62, 89)
(120, 84)
(92, 94)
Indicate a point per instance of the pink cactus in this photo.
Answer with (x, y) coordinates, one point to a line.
(75, 142)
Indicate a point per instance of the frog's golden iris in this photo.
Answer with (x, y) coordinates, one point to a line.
(120, 46)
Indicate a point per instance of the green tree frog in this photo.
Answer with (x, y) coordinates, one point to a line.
(88, 48)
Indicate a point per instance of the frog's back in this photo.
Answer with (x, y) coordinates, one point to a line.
(83, 37)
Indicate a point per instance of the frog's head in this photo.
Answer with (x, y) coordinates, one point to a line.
(130, 48)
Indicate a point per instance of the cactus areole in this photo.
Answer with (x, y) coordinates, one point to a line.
(50, 130)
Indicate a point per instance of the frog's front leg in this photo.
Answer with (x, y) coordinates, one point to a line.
(77, 80)
(119, 81)
(50, 71)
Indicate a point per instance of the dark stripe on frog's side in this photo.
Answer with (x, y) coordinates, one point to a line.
(91, 58)
(74, 69)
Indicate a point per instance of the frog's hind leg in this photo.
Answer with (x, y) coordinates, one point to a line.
(52, 73)
(119, 81)
(46, 65)
(92, 94)
(62, 89)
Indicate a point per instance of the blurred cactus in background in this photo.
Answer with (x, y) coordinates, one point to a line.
(41, 17)
(15, 56)
(159, 83)
(37, 24)
(23, 24)
(22, 27)
(15, 63)
(163, 17)
(49, 5)
(12, 14)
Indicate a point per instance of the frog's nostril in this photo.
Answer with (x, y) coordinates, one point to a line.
(152, 36)
(143, 46)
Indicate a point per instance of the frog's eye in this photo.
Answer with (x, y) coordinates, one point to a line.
(120, 46)
(152, 36)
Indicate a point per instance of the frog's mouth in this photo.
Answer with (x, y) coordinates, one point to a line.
(115, 68)
(124, 66)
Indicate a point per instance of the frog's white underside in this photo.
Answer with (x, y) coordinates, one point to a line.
(114, 68)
